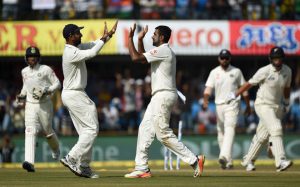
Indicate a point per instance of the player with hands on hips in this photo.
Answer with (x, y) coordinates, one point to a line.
(81, 108)
(225, 79)
(272, 97)
(39, 82)
(164, 96)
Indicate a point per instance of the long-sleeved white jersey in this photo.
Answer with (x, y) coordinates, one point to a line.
(39, 77)
(73, 63)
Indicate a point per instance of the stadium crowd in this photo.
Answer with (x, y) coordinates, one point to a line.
(121, 102)
(151, 9)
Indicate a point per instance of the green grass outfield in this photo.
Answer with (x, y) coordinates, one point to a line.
(112, 172)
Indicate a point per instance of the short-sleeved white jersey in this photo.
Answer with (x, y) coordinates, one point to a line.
(271, 84)
(224, 82)
(73, 63)
(39, 77)
(163, 68)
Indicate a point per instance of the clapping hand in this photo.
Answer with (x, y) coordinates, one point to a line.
(143, 32)
(132, 30)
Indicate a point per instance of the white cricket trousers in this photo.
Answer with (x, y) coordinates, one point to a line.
(227, 116)
(38, 117)
(156, 122)
(269, 127)
(84, 116)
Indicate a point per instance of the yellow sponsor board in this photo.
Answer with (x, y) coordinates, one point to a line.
(15, 37)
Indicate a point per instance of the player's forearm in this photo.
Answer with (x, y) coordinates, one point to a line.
(246, 99)
(243, 88)
(134, 54)
(141, 48)
(286, 94)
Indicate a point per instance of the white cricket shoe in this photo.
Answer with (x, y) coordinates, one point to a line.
(250, 166)
(71, 164)
(284, 164)
(88, 172)
(199, 166)
(139, 174)
(55, 155)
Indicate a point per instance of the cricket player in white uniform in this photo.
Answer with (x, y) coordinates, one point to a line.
(82, 109)
(271, 99)
(39, 82)
(225, 79)
(164, 96)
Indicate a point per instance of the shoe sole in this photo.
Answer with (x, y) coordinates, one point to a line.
(144, 175)
(27, 166)
(279, 170)
(76, 173)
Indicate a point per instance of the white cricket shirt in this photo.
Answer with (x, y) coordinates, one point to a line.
(40, 76)
(73, 63)
(224, 82)
(163, 68)
(271, 84)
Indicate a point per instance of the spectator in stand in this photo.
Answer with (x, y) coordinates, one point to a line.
(121, 9)
(46, 9)
(95, 9)
(297, 9)
(149, 9)
(254, 8)
(166, 8)
(9, 9)
(67, 10)
(201, 9)
(236, 9)
(183, 9)
(81, 9)
(6, 149)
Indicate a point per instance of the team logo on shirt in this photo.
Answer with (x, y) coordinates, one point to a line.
(271, 78)
(154, 51)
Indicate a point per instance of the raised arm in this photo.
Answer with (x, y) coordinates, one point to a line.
(134, 54)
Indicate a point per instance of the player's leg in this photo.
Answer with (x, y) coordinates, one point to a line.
(231, 116)
(146, 136)
(259, 139)
(46, 116)
(220, 124)
(273, 124)
(84, 116)
(31, 130)
(162, 106)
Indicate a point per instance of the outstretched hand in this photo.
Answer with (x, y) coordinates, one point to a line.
(106, 34)
(143, 32)
(132, 30)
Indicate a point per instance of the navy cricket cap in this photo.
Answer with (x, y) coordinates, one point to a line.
(224, 53)
(70, 29)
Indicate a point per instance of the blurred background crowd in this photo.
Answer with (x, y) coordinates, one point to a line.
(122, 98)
(151, 9)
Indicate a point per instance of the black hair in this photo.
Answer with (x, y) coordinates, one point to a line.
(165, 31)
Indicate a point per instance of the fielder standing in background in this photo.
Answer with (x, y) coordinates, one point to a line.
(225, 79)
(164, 96)
(39, 82)
(272, 98)
(82, 109)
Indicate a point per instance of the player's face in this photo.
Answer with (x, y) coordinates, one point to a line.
(277, 62)
(224, 61)
(77, 38)
(32, 61)
(155, 38)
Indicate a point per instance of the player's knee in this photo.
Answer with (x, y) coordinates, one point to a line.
(277, 131)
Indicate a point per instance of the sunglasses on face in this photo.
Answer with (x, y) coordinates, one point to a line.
(224, 58)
